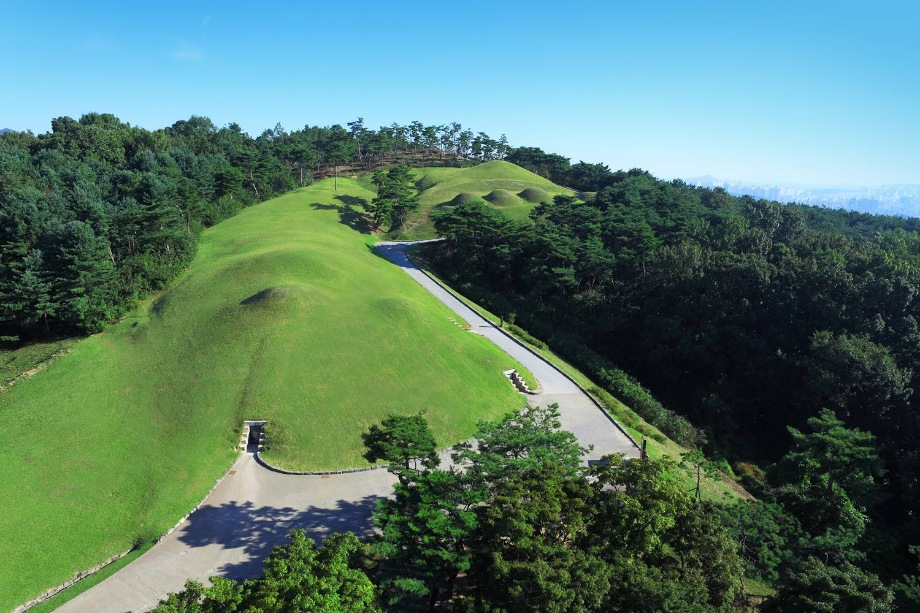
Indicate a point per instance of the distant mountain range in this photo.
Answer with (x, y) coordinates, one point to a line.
(903, 200)
(5, 130)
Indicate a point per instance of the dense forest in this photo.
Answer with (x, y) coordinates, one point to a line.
(97, 213)
(747, 323)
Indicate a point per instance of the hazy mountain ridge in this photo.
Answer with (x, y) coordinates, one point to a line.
(883, 200)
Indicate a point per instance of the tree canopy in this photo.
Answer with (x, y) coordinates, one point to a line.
(97, 213)
(298, 576)
(520, 524)
(725, 321)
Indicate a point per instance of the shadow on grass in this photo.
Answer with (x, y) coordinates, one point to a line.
(351, 212)
(257, 529)
(353, 201)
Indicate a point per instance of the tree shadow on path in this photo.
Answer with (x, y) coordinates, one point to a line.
(255, 530)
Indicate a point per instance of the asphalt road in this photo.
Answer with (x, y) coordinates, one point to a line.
(253, 509)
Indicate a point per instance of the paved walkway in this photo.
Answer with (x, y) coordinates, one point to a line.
(254, 508)
(579, 414)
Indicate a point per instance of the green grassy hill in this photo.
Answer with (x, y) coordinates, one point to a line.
(508, 187)
(286, 314)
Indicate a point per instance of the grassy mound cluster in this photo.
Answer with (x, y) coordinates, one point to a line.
(502, 197)
(464, 198)
(284, 315)
(496, 182)
(535, 195)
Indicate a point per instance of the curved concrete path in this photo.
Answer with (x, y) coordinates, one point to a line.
(254, 509)
(579, 414)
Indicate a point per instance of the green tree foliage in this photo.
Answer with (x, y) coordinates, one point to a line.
(518, 443)
(29, 293)
(859, 378)
(425, 528)
(814, 586)
(526, 546)
(520, 524)
(396, 197)
(908, 589)
(298, 576)
(665, 549)
(740, 318)
(767, 534)
(828, 480)
(97, 213)
(113, 211)
(404, 441)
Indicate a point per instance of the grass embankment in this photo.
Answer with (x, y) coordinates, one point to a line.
(24, 362)
(65, 596)
(718, 489)
(287, 315)
(508, 187)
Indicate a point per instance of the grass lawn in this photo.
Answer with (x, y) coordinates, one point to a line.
(286, 314)
(499, 183)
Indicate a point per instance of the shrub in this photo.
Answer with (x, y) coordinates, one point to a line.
(642, 402)
(523, 334)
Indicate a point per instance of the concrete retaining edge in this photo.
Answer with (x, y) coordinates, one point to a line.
(316, 473)
(83, 574)
(5, 387)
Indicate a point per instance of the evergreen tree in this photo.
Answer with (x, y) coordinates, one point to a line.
(405, 441)
(815, 587)
(828, 480)
(396, 197)
(30, 295)
(298, 576)
(83, 276)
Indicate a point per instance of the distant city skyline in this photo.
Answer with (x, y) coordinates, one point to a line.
(786, 92)
(903, 199)
(709, 178)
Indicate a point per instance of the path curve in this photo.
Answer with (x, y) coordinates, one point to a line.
(578, 412)
(254, 508)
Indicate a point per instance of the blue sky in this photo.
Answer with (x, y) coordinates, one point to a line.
(791, 92)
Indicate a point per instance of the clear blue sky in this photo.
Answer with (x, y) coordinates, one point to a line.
(817, 92)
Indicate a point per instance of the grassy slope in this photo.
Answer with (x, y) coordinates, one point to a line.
(24, 361)
(117, 440)
(438, 186)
